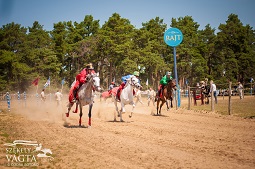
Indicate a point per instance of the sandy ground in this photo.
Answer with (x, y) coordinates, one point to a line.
(177, 139)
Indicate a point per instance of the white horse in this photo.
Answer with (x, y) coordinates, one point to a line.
(86, 96)
(126, 97)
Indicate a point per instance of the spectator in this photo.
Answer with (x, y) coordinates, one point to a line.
(240, 90)
(43, 97)
(213, 90)
(58, 97)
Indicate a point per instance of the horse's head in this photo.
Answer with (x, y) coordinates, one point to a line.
(96, 82)
(134, 81)
(172, 84)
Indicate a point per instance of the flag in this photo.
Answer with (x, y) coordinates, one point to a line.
(47, 83)
(147, 82)
(35, 82)
(63, 82)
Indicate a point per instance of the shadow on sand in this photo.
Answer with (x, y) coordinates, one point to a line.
(74, 126)
(160, 115)
(115, 121)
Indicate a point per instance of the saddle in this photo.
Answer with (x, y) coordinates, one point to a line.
(119, 93)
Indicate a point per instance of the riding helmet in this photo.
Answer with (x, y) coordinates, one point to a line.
(136, 73)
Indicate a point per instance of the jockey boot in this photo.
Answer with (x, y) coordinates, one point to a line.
(118, 95)
(159, 93)
(74, 95)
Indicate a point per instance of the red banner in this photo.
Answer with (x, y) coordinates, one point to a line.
(35, 82)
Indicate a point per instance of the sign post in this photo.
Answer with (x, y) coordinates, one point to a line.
(173, 37)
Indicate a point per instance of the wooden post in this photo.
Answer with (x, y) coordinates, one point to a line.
(189, 98)
(229, 98)
(194, 97)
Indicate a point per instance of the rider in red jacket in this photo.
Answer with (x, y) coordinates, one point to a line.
(81, 79)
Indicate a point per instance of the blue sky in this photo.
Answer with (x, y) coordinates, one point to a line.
(48, 12)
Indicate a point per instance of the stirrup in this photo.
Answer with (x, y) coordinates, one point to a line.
(74, 100)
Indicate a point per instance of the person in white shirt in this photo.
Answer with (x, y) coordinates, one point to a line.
(43, 97)
(240, 90)
(58, 97)
(213, 91)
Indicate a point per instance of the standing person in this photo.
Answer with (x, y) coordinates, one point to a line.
(151, 96)
(240, 90)
(81, 78)
(213, 90)
(43, 97)
(58, 97)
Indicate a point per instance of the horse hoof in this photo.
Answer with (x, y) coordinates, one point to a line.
(74, 111)
(67, 114)
(130, 116)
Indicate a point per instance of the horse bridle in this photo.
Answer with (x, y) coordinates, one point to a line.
(131, 83)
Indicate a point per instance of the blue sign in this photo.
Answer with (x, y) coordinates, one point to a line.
(173, 37)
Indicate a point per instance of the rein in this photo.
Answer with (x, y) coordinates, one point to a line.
(131, 83)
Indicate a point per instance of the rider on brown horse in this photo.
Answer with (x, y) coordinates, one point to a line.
(163, 82)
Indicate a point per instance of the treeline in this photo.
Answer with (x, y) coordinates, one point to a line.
(117, 48)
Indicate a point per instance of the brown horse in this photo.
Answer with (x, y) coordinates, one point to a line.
(167, 95)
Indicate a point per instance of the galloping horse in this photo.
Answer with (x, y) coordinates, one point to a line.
(86, 96)
(126, 97)
(167, 95)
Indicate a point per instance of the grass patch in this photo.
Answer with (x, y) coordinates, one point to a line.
(4, 135)
(242, 108)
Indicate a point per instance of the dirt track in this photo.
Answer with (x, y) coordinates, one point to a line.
(177, 139)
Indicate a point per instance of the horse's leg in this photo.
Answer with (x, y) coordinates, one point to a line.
(122, 111)
(116, 108)
(132, 109)
(202, 99)
(158, 100)
(76, 108)
(161, 105)
(167, 105)
(80, 113)
(69, 108)
(171, 100)
(90, 109)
